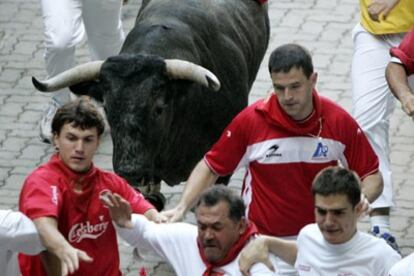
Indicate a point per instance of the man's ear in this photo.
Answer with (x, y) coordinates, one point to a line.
(314, 78)
(55, 141)
(242, 225)
(358, 208)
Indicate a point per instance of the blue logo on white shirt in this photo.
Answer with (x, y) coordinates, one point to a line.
(321, 151)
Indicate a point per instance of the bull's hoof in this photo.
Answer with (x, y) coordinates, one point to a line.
(156, 199)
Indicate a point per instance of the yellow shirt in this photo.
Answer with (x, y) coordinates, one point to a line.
(399, 20)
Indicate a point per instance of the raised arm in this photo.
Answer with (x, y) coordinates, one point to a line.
(398, 82)
(372, 186)
(257, 251)
(200, 179)
(55, 243)
(136, 229)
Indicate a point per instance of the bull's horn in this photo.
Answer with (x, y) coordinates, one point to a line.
(181, 69)
(84, 72)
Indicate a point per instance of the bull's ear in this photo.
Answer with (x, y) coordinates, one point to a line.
(89, 88)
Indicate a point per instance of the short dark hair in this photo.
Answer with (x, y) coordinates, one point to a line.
(338, 180)
(218, 193)
(287, 56)
(81, 113)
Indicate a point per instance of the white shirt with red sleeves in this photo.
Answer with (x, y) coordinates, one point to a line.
(283, 156)
(81, 217)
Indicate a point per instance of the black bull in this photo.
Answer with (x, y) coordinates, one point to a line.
(164, 115)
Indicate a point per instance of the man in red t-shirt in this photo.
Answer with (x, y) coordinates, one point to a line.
(62, 199)
(283, 141)
(398, 71)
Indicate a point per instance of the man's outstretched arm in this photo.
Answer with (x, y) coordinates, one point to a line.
(200, 179)
(55, 243)
(135, 229)
(257, 251)
(397, 79)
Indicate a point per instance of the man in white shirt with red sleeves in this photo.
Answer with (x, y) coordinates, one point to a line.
(283, 141)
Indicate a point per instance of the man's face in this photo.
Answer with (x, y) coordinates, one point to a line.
(77, 147)
(294, 92)
(216, 231)
(336, 217)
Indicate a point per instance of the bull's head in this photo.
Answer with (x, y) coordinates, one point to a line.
(140, 101)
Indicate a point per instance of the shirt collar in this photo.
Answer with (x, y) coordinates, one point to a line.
(275, 114)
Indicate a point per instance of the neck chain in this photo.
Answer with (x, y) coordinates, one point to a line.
(319, 131)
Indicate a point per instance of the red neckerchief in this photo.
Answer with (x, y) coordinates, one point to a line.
(275, 114)
(250, 231)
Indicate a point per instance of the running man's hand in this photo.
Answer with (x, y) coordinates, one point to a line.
(256, 251)
(119, 209)
(407, 103)
(155, 216)
(381, 7)
(175, 214)
(365, 207)
(70, 257)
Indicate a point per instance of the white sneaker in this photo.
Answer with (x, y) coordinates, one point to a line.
(45, 127)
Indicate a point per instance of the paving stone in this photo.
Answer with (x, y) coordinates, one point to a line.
(8, 155)
(32, 152)
(338, 17)
(312, 27)
(21, 170)
(13, 144)
(30, 117)
(4, 173)
(339, 68)
(10, 75)
(13, 58)
(19, 163)
(24, 65)
(35, 38)
(12, 199)
(8, 123)
(14, 181)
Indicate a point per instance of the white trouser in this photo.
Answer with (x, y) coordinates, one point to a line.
(373, 102)
(65, 23)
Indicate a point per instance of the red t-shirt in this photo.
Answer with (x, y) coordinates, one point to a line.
(81, 217)
(282, 157)
(405, 52)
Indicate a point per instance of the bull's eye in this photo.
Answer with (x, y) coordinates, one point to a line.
(159, 110)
